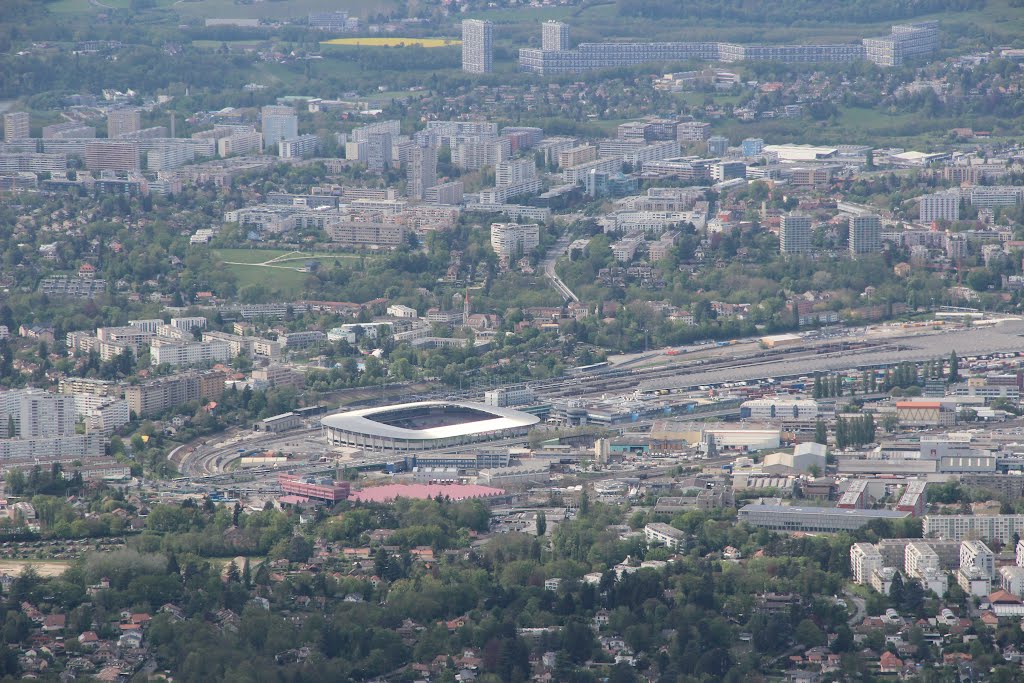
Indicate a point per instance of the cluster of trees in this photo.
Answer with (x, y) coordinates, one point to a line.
(855, 431)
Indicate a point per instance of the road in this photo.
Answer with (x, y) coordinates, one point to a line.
(548, 264)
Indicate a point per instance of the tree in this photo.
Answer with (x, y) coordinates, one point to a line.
(897, 590)
(808, 634)
(233, 575)
(542, 523)
(954, 367)
(820, 433)
(246, 574)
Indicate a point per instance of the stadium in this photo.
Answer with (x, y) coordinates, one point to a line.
(427, 425)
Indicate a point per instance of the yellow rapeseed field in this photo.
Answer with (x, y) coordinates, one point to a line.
(394, 42)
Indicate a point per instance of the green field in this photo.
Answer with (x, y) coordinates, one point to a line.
(276, 269)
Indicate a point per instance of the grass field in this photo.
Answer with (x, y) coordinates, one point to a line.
(276, 269)
(393, 42)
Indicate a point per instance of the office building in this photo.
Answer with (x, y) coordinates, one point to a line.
(795, 234)
(941, 206)
(477, 46)
(810, 520)
(728, 170)
(717, 145)
(107, 155)
(16, 126)
(123, 121)
(421, 171)
(511, 240)
(278, 123)
(865, 235)
(752, 147)
(554, 35)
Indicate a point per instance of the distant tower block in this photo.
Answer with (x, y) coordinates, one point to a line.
(554, 36)
(477, 46)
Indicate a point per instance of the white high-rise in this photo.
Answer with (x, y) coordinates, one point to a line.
(16, 125)
(554, 35)
(123, 121)
(421, 171)
(865, 235)
(795, 234)
(477, 46)
(942, 206)
(279, 123)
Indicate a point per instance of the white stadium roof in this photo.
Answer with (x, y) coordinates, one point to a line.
(361, 422)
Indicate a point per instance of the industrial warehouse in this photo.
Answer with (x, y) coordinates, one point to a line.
(426, 425)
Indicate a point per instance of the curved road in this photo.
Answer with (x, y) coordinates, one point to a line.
(548, 264)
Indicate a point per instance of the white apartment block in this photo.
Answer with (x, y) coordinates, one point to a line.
(658, 533)
(576, 175)
(421, 171)
(242, 142)
(625, 249)
(960, 527)
(189, 324)
(448, 194)
(508, 396)
(299, 147)
(400, 311)
(692, 131)
(107, 417)
(942, 206)
(188, 353)
(1011, 580)
(109, 155)
(865, 234)
(279, 123)
(477, 46)
(123, 122)
(554, 35)
(514, 172)
(974, 553)
(920, 557)
(37, 414)
(512, 239)
(864, 559)
(795, 234)
(16, 126)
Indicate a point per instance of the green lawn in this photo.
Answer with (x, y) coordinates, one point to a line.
(262, 256)
(282, 277)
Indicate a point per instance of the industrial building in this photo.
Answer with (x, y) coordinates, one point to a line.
(812, 520)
